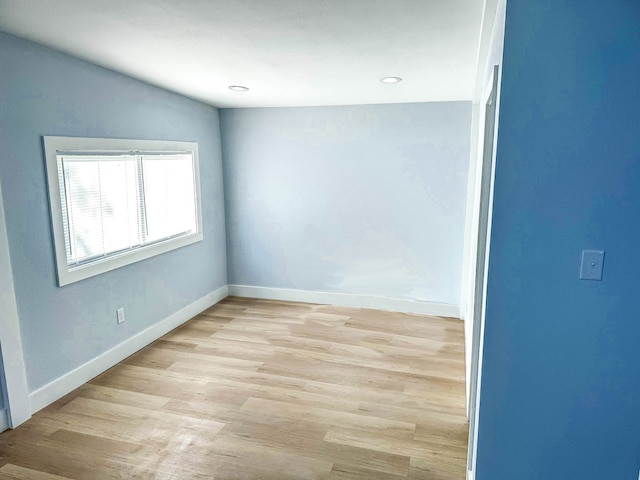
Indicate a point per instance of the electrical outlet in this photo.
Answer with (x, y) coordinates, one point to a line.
(591, 264)
(120, 315)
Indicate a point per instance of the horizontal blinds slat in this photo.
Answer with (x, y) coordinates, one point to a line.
(94, 158)
(118, 153)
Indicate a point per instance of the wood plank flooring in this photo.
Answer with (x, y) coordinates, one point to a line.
(257, 389)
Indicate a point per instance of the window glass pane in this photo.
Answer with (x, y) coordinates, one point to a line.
(169, 195)
(119, 205)
(101, 206)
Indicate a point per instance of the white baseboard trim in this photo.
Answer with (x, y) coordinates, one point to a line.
(68, 382)
(347, 300)
(463, 312)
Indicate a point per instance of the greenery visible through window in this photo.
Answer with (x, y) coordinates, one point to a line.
(113, 206)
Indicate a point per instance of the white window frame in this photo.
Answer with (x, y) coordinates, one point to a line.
(53, 145)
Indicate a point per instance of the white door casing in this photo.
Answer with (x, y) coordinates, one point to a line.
(488, 127)
(15, 377)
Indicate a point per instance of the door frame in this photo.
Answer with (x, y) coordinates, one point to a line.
(485, 183)
(18, 405)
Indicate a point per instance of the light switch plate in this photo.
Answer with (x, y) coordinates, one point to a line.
(591, 265)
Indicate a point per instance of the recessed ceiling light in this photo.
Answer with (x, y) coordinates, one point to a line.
(238, 88)
(391, 80)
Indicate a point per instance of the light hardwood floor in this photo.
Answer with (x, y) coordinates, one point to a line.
(257, 389)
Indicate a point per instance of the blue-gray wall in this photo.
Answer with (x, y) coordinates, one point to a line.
(363, 199)
(43, 92)
(561, 378)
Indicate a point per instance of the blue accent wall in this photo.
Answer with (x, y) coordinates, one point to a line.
(366, 199)
(561, 378)
(43, 92)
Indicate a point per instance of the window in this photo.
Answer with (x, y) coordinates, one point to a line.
(115, 202)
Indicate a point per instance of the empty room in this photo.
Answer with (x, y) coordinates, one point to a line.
(319, 239)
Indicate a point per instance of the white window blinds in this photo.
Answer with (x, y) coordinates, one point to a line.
(114, 203)
(101, 199)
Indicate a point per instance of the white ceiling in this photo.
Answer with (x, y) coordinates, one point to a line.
(288, 52)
